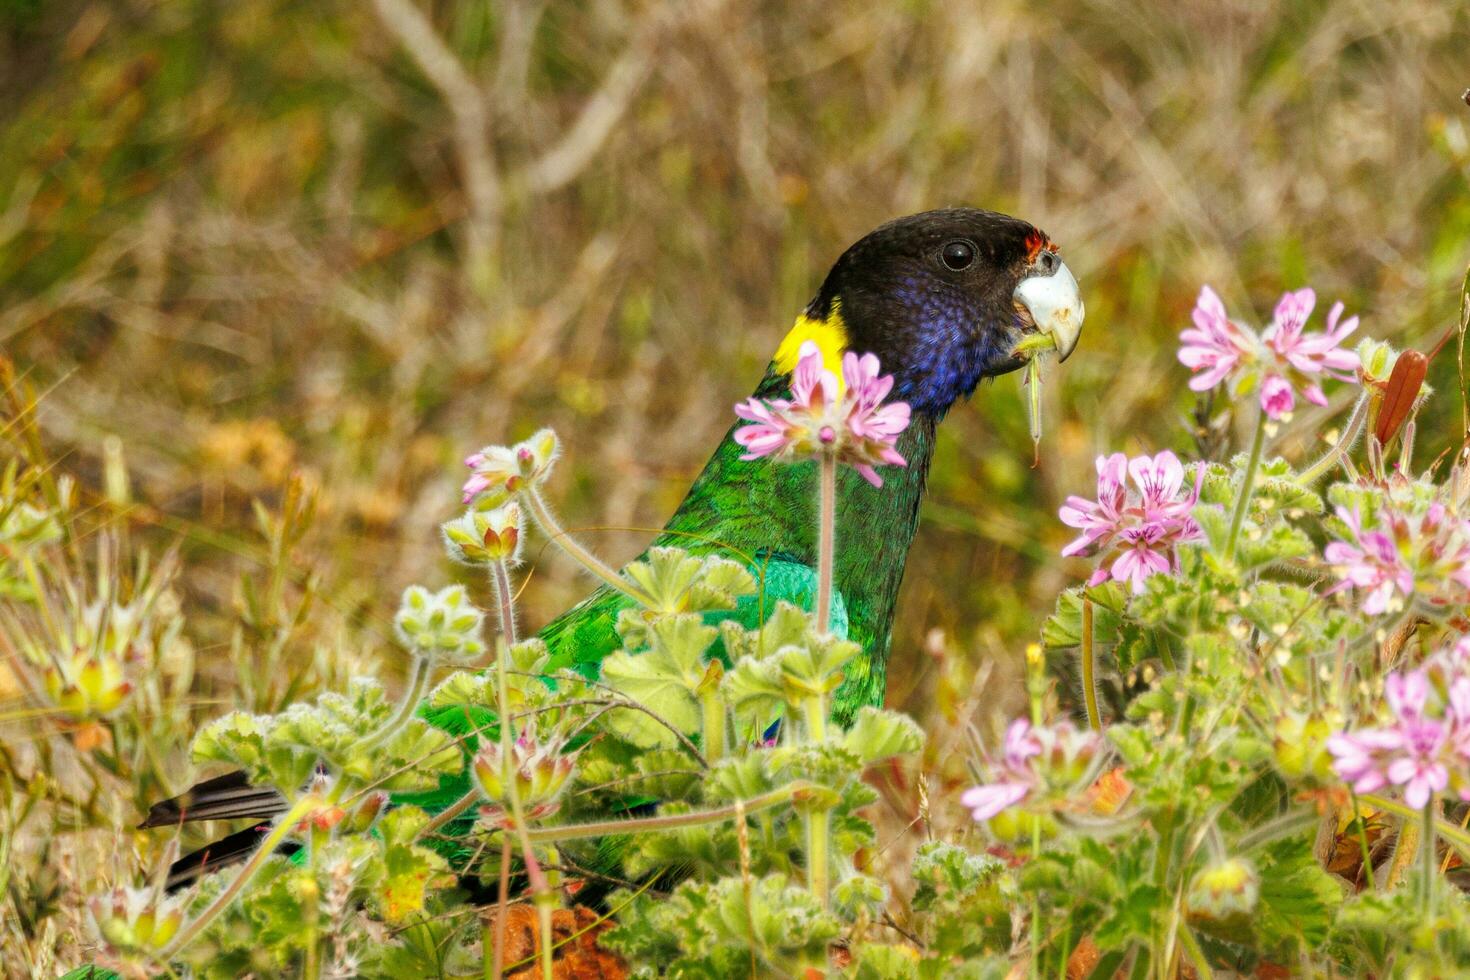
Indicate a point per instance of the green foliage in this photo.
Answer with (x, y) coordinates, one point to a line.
(283, 750)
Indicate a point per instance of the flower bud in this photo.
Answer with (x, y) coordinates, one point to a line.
(87, 685)
(1376, 360)
(500, 470)
(482, 535)
(1067, 754)
(1224, 889)
(1299, 747)
(540, 771)
(443, 624)
(137, 920)
(361, 818)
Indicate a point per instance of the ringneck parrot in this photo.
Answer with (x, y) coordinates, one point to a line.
(942, 298)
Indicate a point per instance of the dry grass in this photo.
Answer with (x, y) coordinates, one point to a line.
(348, 241)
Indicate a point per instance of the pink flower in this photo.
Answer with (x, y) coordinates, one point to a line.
(1215, 345)
(1143, 554)
(1034, 760)
(1277, 397)
(1021, 744)
(1358, 757)
(1427, 748)
(822, 417)
(1104, 516)
(1316, 353)
(1415, 552)
(1281, 361)
(503, 470)
(1138, 531)
(990, 799)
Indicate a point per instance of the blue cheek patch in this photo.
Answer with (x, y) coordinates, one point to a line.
(949, 360)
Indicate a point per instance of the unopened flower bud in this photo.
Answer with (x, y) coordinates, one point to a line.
(540, 771)
(137, 920)
(483, 535)
(443, 624)
(501, 470)
(361, 818)
(1067, 754)
(1300, 746)
(87, 685)
(1225, 889)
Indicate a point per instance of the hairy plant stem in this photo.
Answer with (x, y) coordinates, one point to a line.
(1035, 902)
(1247, 486)
(1371, 883)
(1426, 865)
(501, 900)
(312, 969)
(818, 821)
(713, 710)
(247, 873)
(672, 821)
(554, 531)
(542, 895)
(826, 538)
(449, 813)
(1089, 668)
(1345, 443)
(1452, 834)
(418, 684)
(504, 600)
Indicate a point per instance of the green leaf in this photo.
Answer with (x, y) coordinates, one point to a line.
(1063, 628)
(662, 679)
(1298, 899)
(410, 870)
(877, 734)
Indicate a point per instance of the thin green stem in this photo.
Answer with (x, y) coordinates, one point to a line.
(1035, 902)
(672, 821)
(818, 829)
(504, 599)
(1452, 834)
(312, 968)
(814, 709)
(1426, 863)
(418, 684)
(713, 709)
(1247, 486)
(500, 906)
(826, 538)
(1089, 668)
(1345, 443)
(541, 892)
(1372, 884)
(601, 569)
(257, 860)
(1195, 953)
(449, 813)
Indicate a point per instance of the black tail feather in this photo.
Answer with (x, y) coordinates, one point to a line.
(221, 854)
(227, 797)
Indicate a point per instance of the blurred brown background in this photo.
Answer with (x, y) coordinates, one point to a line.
(357, 239)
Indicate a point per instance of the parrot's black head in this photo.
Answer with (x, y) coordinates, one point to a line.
(942, 298)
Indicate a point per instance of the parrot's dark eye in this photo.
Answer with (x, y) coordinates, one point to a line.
(957, 255)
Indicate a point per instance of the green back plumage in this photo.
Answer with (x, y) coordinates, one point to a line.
(765, 513)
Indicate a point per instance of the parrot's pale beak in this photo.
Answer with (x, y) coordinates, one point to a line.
(1051, 298)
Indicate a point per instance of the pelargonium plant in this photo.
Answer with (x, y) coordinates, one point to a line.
(1245, 748)
(1139, 528)
(1278, 362)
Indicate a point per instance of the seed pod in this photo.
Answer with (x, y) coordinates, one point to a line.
(1399, 395)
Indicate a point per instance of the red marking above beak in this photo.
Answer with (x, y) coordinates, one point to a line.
(1035, 242)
